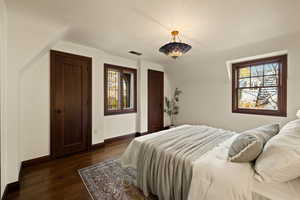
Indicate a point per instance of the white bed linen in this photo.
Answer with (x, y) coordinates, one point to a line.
(215, 178)
(279, 191)
(130, 156)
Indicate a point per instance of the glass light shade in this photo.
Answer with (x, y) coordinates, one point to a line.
(175, 49)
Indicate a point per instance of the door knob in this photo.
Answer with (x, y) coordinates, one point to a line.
(58, 111)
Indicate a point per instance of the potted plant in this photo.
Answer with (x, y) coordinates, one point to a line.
(172, 108)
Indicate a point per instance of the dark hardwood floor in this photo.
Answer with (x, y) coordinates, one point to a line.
(59, 179)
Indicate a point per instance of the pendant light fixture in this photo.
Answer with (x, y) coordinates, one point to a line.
(175, 48)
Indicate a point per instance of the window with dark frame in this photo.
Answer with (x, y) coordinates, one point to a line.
(260, 86)
(120, 92)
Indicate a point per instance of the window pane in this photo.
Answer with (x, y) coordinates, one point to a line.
(267, 98)
(244, 82)
(271, 69)
(271, 80)
(260, 98)
(128, 90)
(266, 94)
(247, 98)
(113, 90)
(244, 72)
(257, 70)
(257, 81)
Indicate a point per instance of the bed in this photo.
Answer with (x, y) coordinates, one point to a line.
(281, 191)
(190, 162)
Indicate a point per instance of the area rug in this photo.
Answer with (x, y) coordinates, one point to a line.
(109, 181)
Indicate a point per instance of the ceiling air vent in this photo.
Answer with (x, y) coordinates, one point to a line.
(135, 53)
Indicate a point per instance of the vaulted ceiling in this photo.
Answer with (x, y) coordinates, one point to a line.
(117, 26)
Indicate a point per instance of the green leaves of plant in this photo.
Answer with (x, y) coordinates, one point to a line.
(172, 107)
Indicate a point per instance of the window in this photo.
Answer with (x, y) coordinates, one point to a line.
(119, 90)
(259, 86)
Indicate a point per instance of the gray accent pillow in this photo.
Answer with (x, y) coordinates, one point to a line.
(249, 144)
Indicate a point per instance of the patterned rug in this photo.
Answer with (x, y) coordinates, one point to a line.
(109, 181)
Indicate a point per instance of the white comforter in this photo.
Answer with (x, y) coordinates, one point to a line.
(215, 178)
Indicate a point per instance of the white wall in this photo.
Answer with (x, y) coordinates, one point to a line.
(206, 97)
(2, 93)
(23, 48)
(34, 98)
(35, 104)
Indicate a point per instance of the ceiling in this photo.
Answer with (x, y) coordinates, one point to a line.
(117, 26)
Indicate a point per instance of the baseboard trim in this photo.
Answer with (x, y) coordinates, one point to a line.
(35, 161)
(47, 158)
(11, 187)
(97, 146)
(122, 137)
(147, 132)
(141, 134)
(113, 140)
(5, 194)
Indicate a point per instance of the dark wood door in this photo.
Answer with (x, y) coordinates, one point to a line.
(155, 101)
(70, 103)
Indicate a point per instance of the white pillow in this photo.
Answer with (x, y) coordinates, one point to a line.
(280, 159)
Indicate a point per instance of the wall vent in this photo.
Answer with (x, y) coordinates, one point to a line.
(135, 53)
